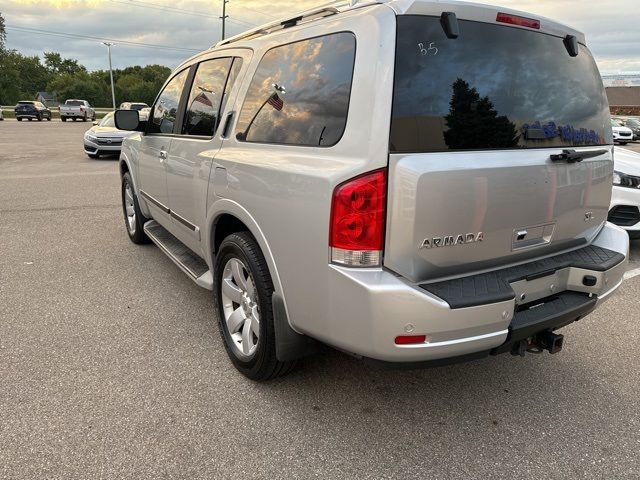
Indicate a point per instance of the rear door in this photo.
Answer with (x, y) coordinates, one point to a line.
(475, 121)
(209, 88)
(155, 145)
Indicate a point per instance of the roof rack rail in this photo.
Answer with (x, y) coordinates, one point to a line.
(306, 16)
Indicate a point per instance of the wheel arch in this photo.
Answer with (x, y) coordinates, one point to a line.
(230, 217)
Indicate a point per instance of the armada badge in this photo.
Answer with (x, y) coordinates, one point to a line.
(452, 240)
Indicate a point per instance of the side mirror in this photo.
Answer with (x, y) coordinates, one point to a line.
(127, 120)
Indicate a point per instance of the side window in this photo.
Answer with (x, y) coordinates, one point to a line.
(209, 90)
(165, 110)
(300, 93)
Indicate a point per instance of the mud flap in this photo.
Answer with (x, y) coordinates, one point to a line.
(290, 345)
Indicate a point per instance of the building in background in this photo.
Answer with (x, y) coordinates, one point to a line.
(624, 100)
(621, 80)
(49, 99)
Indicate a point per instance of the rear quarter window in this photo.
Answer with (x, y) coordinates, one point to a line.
(300, 93)
(494, 87)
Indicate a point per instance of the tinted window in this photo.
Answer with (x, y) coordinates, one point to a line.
(494, 87)
(300, 93)
(138, 106)
(205, 99)
(165, 110)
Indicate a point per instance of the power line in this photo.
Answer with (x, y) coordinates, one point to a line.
(156, 6)
(101, 39)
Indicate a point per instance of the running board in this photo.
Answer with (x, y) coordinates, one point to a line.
(190, 263)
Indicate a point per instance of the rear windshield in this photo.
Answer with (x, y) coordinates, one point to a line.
(25, 103)
(73, 103)
(139, 106)
(494, 87)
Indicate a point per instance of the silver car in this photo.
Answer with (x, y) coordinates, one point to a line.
(104, 138)
(390, 178)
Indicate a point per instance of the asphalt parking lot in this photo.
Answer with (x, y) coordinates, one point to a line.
(112, 366)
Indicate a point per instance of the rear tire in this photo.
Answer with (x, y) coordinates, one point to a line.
(19, 119)
(30, 119)
(39, 118)
(244, 307)
(49, 118)
(133, 219)
(84, 119)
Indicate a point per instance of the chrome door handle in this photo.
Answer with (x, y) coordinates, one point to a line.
(163, 155)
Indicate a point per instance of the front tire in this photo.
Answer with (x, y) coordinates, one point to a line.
(133, 219)
(242, 297)
(39, 118)
(64, 119)
(19, 119)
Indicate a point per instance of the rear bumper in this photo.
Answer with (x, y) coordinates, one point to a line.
(377, 306)
(74, 114)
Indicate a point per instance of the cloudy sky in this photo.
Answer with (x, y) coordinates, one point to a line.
(172, 30)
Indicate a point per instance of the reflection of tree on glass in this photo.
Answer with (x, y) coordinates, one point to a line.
(473, 122)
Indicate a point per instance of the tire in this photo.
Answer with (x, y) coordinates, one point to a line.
(30, 119)
(49, 118)
(135, 231)
(19, 119)
(623, 143)
(253, 356)
(64, 119)
(93, 155)
(84, 119)
(39, 118)
(73, 118)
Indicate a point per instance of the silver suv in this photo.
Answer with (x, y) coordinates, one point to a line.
(411, 182)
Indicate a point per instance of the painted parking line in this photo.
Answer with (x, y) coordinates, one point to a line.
(632, 273)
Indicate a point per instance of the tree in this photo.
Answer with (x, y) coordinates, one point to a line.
(474, 122)
(56, 64)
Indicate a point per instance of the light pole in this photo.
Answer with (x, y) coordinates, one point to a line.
(113, 93)
(224, 15)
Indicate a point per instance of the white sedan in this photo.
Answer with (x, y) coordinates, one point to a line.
(621, 134)
(104, 138)
(625, 199)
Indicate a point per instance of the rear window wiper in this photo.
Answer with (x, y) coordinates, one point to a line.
(572, 156)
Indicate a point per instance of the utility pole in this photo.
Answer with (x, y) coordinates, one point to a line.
(113, 93)
(224, 15)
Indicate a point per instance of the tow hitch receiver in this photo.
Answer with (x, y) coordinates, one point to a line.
(550, 341)
(546, 340)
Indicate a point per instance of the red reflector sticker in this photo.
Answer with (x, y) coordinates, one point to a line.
(410, 339)
(519, 21)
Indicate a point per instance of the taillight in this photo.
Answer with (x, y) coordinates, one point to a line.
(518, 20)
(357, 220)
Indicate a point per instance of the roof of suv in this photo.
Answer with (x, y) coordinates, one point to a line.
(464, 10)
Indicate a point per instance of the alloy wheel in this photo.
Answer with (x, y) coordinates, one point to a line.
(240, 307)
(130, 208)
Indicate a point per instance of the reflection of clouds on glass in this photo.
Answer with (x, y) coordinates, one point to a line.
(527, 75)
(205, 96)
(165, 109)
(316, 75)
